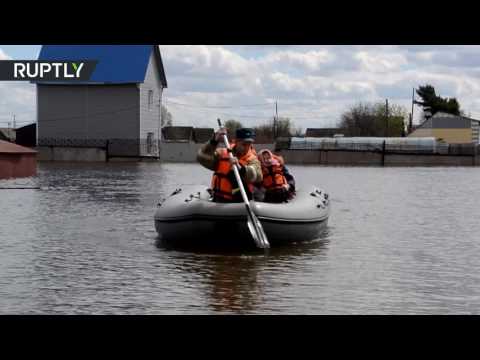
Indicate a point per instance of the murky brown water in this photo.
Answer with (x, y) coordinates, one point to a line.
(400, 241)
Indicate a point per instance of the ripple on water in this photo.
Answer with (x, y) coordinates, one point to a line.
(400, 240)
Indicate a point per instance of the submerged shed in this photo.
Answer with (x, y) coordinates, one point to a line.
(16, 161)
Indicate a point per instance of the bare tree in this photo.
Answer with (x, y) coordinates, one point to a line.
(284, 128)
(167, 118)
(367, 119)
(232, 126)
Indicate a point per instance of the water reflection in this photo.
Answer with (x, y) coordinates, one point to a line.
(237, 282)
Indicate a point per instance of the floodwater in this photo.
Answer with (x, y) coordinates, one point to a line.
(399, 241)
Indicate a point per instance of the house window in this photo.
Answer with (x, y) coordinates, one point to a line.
(150, 99)
(149, 142)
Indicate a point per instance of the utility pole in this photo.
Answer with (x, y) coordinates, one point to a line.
(159, 118)
(275, 123)
(386, 117)
(160, 127)
(14, 125)
(411, 118)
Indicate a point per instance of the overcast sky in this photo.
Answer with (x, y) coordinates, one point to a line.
(312, 84)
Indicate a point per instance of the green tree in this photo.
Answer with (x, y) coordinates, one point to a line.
(433, 103)
(167, 118)
(394, 125)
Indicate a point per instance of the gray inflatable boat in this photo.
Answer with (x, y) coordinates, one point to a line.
(188, 217)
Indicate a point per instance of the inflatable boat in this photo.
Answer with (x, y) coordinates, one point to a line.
(189, 217)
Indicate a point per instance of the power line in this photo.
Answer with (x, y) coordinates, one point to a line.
(256, 116)
(304, 115)
(211, 111)
(16, 122)
(217, 107)
(204, 109)
(223, 107)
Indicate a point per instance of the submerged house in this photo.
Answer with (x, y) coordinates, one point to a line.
(322, 132)
(117, 111)
(16, 161)
(452, 129)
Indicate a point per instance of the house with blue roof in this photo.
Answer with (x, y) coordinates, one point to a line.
(119, 104)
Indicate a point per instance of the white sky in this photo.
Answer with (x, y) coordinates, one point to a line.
(312, 84)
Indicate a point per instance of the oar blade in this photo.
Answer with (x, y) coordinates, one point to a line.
(256, 229)
(254, 233)
(261, 233)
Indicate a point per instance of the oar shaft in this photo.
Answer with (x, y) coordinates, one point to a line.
(236, 172)
(257, 231)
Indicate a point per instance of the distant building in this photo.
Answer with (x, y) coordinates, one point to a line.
(322, 132)
(177, 133)
(189, 134)
(264, 139)
(450, 128)
(121, 101)
(202, 135)
(26, 135)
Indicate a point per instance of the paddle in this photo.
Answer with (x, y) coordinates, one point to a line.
(253, 223)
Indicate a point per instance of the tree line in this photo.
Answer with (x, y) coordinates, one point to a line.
(281, 127)
(377, 119)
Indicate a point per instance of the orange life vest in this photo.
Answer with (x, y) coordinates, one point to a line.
(223, 176)
(273, 177)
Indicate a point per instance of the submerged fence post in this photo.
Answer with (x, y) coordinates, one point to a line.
(476, 148)
(383, 153)
(107, 156)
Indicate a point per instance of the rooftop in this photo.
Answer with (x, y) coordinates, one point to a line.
(10, 148)
(117, 64)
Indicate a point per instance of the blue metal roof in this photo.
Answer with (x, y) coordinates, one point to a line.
(117, 64)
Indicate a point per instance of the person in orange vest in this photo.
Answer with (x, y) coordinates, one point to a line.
(224, 187)
(278, 184)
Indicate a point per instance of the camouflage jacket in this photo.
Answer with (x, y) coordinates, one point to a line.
(208, 157)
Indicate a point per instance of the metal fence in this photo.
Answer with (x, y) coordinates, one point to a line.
(133, 147)
(387, 145)
(113, 147)
(464, 149)
(60, 142)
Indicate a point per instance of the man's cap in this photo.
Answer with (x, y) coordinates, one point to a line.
(245, 134)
